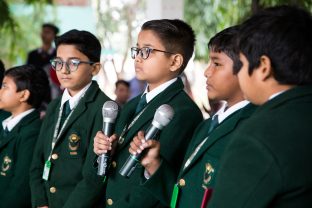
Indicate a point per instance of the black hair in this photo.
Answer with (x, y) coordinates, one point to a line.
(226, 41)
(84, 41)
(52, 27)
(27, 77)
(283, 34)
(176, 36)
(2, 70)
(124, 82)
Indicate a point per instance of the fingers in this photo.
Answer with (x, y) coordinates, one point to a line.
(102, 144)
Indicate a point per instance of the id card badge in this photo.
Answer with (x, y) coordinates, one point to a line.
(174, 197)
(46, 170)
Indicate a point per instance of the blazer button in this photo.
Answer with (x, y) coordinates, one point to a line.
(52, 189)
(114, 164)
(109, 202)
(182, 182)
(54, 156)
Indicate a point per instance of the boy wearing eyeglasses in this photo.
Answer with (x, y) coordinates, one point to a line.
(60, 174)
(163, 50)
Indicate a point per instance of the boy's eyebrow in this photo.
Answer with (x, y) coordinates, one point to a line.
(68, 58)
(145, 45)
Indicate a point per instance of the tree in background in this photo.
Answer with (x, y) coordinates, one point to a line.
(20, 33)
(207, 17)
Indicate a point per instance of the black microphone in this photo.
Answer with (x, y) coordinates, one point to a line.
(162, 117)
(109, 112)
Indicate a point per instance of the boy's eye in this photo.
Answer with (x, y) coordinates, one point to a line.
(74, 62)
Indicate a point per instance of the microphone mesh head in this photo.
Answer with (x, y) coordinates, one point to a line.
(163, 116)
(110, 111)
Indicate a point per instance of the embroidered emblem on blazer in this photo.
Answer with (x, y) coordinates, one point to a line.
(74, 143)
(6, 164)
(208, 174)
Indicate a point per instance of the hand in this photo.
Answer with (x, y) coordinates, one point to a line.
(151, 160)
(103, 144)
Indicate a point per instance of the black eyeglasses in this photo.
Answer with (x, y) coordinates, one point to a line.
(144, 52)
(71, 64)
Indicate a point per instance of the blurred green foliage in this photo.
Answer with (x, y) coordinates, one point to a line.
(20, 31)
(207, 17)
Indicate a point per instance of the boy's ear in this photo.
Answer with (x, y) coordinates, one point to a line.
(265, 68)
(25, 94)
(96, 68)
(177, 61)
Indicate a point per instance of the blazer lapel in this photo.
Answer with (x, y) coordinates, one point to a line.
(227, 126)
(148, 115)
(81, 107)
(4, 140)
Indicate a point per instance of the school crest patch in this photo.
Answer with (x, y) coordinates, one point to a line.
(73, 143)
(6, 165)
(208, 174)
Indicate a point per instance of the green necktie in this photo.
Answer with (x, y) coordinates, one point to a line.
(142, 103)
(213, 124)
(65, 113)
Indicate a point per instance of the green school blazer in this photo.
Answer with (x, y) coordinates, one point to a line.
(269, 161)
(16, 150)
(73, 182)
(174, 138)
(203, 168)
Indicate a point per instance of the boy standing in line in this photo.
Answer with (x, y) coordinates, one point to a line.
(21, 94)
(197, 176)
(61, 174)
(163, 50)
(269, 162)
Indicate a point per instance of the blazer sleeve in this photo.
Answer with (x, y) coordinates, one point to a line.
(248, 173)
(18, 192)
(174, 140)
(89, 190)
(38, 192)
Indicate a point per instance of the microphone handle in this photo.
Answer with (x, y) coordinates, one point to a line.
(104, 159)
(133, 160)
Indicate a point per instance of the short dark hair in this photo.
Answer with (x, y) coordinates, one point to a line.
(176, 36)
(84, 41)
(124, 82)
(226, 41)
(27, 77)
(2, 70)
(283, 34)
(52, 27)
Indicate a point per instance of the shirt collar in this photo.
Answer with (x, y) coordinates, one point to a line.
(11, 122)
(73, 101)
(223, 113)
(150, 95)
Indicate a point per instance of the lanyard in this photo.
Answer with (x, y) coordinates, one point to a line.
(127, 128)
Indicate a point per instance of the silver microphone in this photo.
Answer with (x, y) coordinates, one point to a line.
(162, 117)
(109, 112)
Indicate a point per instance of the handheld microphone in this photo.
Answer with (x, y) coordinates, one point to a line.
(109, 112)
(162, 117)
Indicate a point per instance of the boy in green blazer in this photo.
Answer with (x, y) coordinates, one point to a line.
(60, 173)
(21, 94)
(197, 176)
(163, 50)
(269, 161)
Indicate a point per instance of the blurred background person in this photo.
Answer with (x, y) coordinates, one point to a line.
(122, 92)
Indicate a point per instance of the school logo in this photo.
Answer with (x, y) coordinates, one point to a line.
(208, 174)
(73, 144)
(6, 165)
